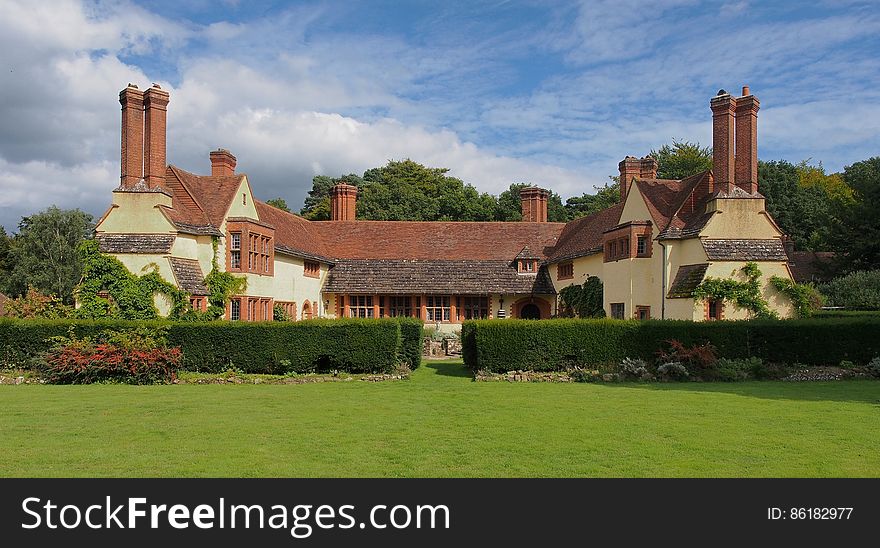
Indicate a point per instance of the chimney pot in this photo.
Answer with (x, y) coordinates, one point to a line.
(746, 91)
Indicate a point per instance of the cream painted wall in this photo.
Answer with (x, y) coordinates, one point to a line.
(635, 208)
(189, 246)
(732, 269)
(141, 264)
(291, 284)
(741, 218)
(242, 208)
(137, 212)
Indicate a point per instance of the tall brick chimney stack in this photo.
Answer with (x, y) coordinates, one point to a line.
(630, 168)
(155, 108)
(723, 136)
(222, 163)
(132, 165)
(343, 202)
(648, 168)
(534, 204)
(746, 170)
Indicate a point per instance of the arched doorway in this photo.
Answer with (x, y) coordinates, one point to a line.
(307, 311)
(530, 312)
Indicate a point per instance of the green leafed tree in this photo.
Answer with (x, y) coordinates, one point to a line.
(44, 254)
(855, 234)
(280, 203)
(317, 203)
(588, 204)
(803, 211)
(510, 206)
(681, 159)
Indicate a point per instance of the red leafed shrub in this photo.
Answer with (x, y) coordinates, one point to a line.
(699, 359)
(130, 358)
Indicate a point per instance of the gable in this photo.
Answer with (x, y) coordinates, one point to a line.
(635, 208)
(741, 218)
(242, 202)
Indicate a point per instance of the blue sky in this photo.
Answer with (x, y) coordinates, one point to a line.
(552, 93)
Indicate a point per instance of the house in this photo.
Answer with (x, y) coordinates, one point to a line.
(650, 250)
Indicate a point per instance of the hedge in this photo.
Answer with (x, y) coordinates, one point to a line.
(350, 345)
(554, 345)
(411, 344)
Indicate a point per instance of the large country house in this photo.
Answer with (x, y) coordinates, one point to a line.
(650, 250)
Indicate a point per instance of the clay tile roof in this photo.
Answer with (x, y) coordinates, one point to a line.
(810, 266)
(527, 253)
(584, 236)
(745, 250)
(293, 234)
(497, 241)
(199, 202)
(402, 276)
(135, 243)
(686, 280)
(189, 275)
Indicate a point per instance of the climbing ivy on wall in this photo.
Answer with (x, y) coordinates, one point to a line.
(131, 296)
(806, 299)
(222, 286)
(744, 294)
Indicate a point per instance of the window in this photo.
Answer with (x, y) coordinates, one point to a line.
(715, 310)
(359, 306)
(235, 309)
(565, 271)
(643, 312)
(399, 306)
(624, 247)
(307, 310)
(613, 253)
(474, 308)
(235, 250)
(642, 246)
(527, 265)
(289, 309)
(437, 308)
(618, 311)
(243, 199)
(312, 269)
(265, 312)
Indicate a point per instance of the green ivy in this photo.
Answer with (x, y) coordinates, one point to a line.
(743, 294)
(583, 301)
(805, 298)
(131, 295)
(222, 285)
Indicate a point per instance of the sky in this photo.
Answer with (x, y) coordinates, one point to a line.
(553, 93)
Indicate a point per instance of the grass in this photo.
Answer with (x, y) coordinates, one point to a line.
(441, 423)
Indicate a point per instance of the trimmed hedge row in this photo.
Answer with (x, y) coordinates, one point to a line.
(554, 345)
(411, 343)
(350, 345)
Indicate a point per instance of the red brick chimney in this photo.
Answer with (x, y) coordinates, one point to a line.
(630, 168)
(343, 202)
(222, 163)
(648, 169)
(132, 165)
(746, 170)
(534, 204)
(723, 130)
(155, 107)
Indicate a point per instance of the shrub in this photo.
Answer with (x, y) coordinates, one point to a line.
(730, 370)
(565, 344)
(674, 371)
(350, 345)
(874, 367)
(411, 341)
(698, 359)
(586, 375)
(857, 290)
(137, 357)
(633, 368)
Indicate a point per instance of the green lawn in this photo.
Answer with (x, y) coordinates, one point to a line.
(441, 423)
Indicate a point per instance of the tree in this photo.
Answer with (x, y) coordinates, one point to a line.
(682, 159)
(588, 204)
(44, 252)
(317, 203)
(510, 205)
(280, 203)
(5, 267)
(856, 226)
(805, 213)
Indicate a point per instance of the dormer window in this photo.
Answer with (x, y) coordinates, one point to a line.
(527, 266)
